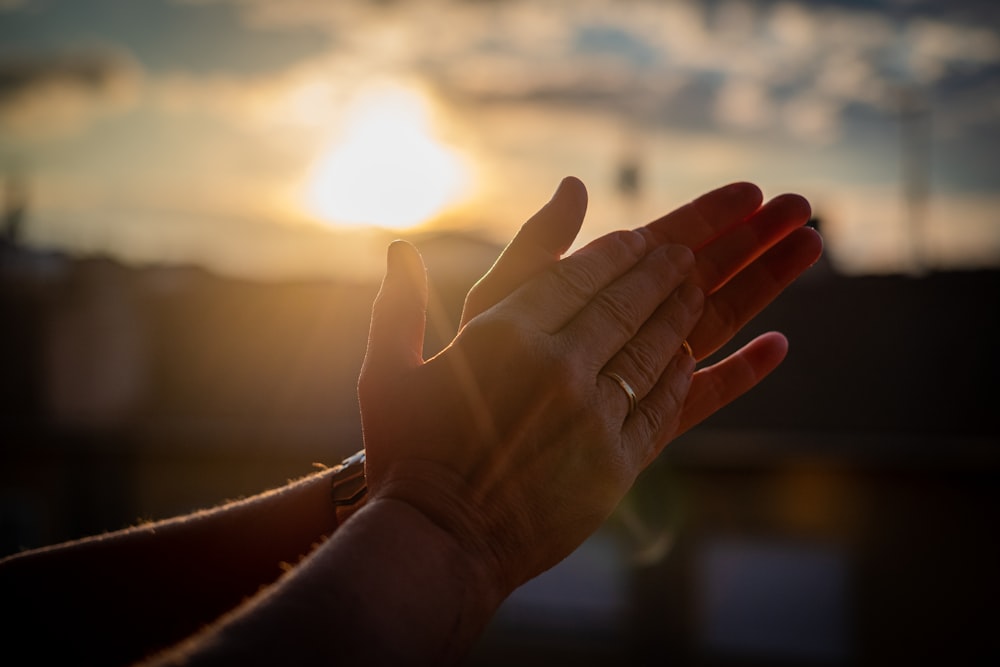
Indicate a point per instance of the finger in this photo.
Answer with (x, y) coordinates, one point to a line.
(396, 334)
(657, 417)
(539, 243)
(555, 296)
(738, 246)
(745, 295)
(701, 220)
(644, 358)
(720, 384)
(617, 312)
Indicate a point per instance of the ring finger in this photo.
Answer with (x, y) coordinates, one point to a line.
(637, 367)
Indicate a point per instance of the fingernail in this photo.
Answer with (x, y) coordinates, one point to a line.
(404, 258)
(680, 256)
(394, 253)
(686, 364)
(559, 188)
(635, 241)
(692, 297)
(578, 191)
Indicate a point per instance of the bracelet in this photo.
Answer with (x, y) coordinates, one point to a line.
(349, 486)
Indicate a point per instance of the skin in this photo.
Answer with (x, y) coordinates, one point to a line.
(746, 253)
(476, 457)
(577, 319)
(504, 474)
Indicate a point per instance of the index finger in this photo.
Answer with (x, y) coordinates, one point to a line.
(698, 222)
(557, 295)
(539, 243)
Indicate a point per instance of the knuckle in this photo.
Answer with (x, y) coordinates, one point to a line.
(621, 312)
(575, 280)
(583, 274)
(644, 362)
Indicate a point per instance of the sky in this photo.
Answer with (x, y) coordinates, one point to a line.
(271, 140)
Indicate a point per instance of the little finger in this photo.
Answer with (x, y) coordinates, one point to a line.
(720, 384)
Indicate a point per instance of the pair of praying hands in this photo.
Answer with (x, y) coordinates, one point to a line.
(568, 376)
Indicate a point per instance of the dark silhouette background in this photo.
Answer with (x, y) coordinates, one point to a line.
(843, 513)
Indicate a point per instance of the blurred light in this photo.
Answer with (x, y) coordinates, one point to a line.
(388, 169)
(775, 601)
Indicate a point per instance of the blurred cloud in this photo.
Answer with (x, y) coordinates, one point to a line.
(934, 47)
(49, 96)
(767, 66)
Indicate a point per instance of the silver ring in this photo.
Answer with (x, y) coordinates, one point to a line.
(632, 400)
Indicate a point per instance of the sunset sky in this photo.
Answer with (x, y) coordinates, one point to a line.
(260, 138)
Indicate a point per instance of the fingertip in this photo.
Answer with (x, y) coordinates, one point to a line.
(794, 205)
(686, 364)
(771, 347)
(554, 227)
(404, 260)
(683, 257)
(816, 244)
(809, 245)
(692, 296)
(398, 251)
(741, 196)
(743, 191)
(817, 238)
(776, 338)
(634, 241)
(574, 187)
(571, 194)
(397, 248)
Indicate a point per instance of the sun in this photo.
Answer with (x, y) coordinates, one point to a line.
(387, 168)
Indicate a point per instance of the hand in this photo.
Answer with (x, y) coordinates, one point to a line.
(746, 254)
(512, 439)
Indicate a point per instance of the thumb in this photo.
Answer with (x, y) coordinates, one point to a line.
(396, 334)
(540, 242)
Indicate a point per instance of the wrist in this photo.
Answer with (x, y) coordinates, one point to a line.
(349, 486)
(437, 555)
(444, 499)
(418, 594)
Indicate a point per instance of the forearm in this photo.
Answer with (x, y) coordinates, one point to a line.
(390, 588)
(124, 594)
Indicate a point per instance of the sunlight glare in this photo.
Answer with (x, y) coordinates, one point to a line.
(387, 168)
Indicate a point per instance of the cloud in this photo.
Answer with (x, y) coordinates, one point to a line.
(609, 52)
(935, 47)
(744, 104)
(49, 96)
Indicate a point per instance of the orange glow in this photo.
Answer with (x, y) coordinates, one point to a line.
(387, 168)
